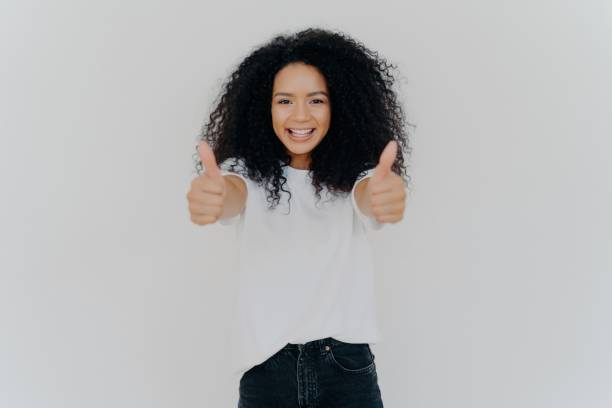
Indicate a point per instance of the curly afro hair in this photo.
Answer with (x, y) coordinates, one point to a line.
(366, 114)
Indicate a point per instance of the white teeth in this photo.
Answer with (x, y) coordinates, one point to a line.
(301, 131)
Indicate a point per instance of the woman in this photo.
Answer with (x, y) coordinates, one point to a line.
(304, 114)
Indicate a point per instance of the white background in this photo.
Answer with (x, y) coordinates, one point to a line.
(495, 289)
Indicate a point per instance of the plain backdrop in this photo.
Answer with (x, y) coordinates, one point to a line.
(494, 291)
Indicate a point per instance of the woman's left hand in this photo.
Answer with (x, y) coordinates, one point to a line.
(385, 192)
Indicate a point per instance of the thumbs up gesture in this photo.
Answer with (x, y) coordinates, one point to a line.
(385, 192)
(208, 191)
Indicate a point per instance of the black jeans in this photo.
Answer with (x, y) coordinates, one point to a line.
(325, 373)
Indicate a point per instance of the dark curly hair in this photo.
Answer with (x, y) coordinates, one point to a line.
(366, 114)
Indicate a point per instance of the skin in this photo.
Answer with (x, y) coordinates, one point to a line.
(300, 101)
(383, 196)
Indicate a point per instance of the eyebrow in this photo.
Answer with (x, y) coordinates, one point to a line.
(310, 94)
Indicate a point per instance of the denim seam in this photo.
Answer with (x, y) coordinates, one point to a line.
(362, 370)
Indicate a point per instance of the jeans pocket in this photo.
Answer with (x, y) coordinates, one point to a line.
(352, 358)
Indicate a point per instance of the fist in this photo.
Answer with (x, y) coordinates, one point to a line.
(385, 191)
(207, 195)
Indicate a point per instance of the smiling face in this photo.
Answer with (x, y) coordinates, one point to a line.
(301, 110)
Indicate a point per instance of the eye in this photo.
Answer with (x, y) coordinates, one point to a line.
(320, 100)
(281, 101)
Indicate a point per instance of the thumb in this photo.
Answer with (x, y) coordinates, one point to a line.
(208, 160)
(387, 157)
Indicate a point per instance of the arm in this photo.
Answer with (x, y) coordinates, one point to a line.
(364, 206)
(235, 198)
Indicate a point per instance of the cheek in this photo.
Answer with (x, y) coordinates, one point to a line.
(278, 118)
(278, 124)
(323, 117)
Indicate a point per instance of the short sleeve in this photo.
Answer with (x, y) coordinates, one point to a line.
(369, 222)
(235, 167)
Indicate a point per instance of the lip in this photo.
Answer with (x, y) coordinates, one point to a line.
(300, 139)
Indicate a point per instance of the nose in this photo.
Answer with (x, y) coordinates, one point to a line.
(301, 111)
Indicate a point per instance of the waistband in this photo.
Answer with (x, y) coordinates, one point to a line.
(314, 344)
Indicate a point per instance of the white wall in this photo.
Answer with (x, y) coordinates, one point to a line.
(494, 290)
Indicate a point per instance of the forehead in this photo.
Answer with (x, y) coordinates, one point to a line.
(299, 76)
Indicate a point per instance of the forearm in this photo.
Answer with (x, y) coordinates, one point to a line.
(235, 198)
(360, 197)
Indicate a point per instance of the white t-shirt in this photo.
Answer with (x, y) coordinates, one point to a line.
(303, 274)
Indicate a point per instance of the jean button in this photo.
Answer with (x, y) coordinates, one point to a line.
(327, 348)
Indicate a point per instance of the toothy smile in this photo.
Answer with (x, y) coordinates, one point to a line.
(301, 132)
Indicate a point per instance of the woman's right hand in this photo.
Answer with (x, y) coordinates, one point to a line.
(208, 191)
